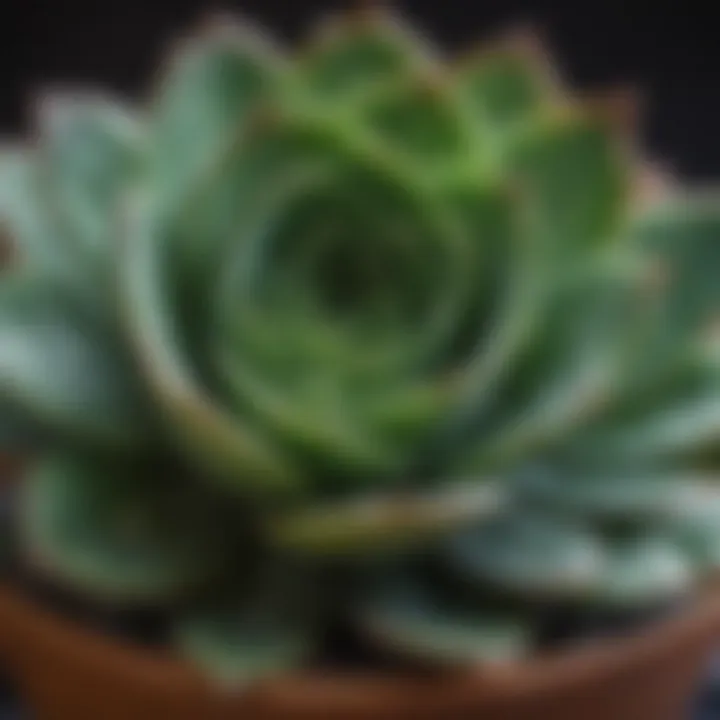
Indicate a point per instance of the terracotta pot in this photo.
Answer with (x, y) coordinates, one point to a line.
(67, 673)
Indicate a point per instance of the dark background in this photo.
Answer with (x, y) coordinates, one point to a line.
(670, 49)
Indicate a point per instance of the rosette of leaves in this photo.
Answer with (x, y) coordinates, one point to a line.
(329, 286)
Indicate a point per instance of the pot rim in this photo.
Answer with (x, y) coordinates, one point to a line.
(26, 623)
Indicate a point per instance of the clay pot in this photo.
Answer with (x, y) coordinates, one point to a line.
(67, 673)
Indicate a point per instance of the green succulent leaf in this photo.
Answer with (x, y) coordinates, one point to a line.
(261, 629)
(682, 242)
(564, 379)
(377, 524)
(23, 216)
(644, 570)
(352, 55)
(420, 122)
(90, 152)
(695, 525)
(64, 373)
(207, 96)
(576, 178)
(34, 240)
(530, 555)
(684, 429)
(236, 649)
(504, 89)
(227, 446)
(404, 616)
(116, 531)
(598, 494)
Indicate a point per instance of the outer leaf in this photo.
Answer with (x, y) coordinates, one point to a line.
(206, 96)
(683, 429)
(529, 555)
(116, 531)
(506, 88)
(23, 217)
(62, 372)
(644, 571)
(697, 526)
(577, 181)
(236, 649)
(563, 380)
(90, 152)
(682, 242)
(405, 617)
(598, 494)
(27, 227)
(263, 629)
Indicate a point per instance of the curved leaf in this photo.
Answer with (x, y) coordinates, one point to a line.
(353, 53)
(565, 378)
(64, 373)
(504, 88)
(90, 152)
(206, 96)
(371, 524)
(33, 240)
(576, 178)
(530, 555)
(644, 571)
(405, 617)
(238, 651)
(599, 494)
(267, 628)
(228, 445)
(116, 531)
(696, 526)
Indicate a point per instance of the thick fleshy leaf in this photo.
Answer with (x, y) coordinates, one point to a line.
(386, 522)
(636, 496)
(666, 401)
(682, 428)
(529, 555)
(29, 235)
(263, 629)
(237, 650)
(64, 373)
(419, 122)
(644, 571)
(225, 444)
(120, 532)
(356, 52)
(576, 178)
(564, 379)
(407, 618)
(504, 88)
(682, 242)
(90, 151)
(207, 96)
(285, 351)
(23, 217)
(696, 526)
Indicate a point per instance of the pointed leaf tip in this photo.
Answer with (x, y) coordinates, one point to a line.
(621, 108)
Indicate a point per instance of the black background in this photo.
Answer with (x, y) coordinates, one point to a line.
(671, 50)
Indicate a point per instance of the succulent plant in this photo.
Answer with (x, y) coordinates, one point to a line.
(359, 334)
